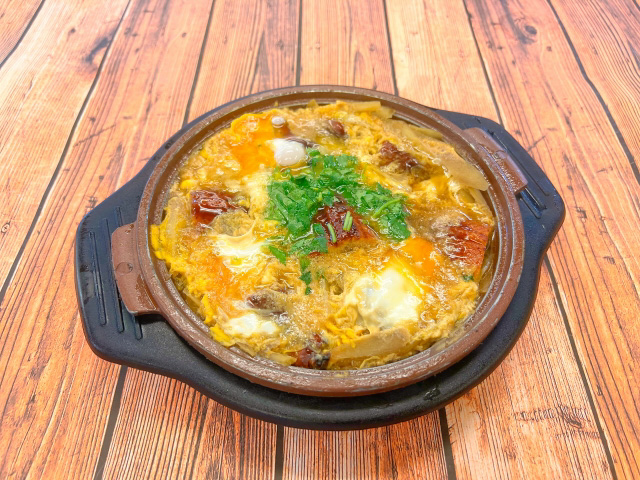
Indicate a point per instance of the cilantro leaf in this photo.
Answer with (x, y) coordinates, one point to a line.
(295, 200)
(279, 254)
(306, 277)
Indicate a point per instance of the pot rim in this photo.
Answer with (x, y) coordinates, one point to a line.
(465, 337)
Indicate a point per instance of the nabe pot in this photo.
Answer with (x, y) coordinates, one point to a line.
(146, 287)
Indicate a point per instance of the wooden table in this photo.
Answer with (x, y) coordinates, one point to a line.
(88, 91)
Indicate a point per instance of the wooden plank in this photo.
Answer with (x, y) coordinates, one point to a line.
(531, 417)
(484, 423)
(438, 66)
(55, 394)
(251, 47)
(42, 87)
(407, 450)
(553, 110)
(220, 443)
(15, 16)
(346, 43)
(606, 36)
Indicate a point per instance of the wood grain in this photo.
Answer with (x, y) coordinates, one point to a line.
(346, 43)
(246, 55)
(407, 450)
(217, 442)
(55, 394)
(15, 16)
(552, 109)
(43, 86)
(606, 37)
(492, 422)
(531, 417)
(436, 60)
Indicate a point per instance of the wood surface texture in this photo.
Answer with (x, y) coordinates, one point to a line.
(89, 90)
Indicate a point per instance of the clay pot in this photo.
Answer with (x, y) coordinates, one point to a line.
(146, 286)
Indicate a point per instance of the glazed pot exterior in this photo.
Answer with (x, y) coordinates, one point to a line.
(146, 286)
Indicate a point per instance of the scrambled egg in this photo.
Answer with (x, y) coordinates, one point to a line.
(369, 298)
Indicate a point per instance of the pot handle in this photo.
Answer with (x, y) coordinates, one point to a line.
(126, 267)
(505, 161)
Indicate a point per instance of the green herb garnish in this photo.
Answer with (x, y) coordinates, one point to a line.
(306, 277)
(294, 200)
(467, 278)
(348, 222)
(332, 233)
(279, 254)
(304, 263)
(315, 241)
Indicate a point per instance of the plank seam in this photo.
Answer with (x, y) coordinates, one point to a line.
(114, 413)
(299, 52)
(484, 67)
(279, 454)
(199, 437)
(24, 34)
(605, 107)
(583, 376)
(198, 66)
(393, 66)
(446, 444)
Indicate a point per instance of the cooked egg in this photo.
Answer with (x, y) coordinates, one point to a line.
(351, 259)
(385, 300)
(287, 153)
(241, 253)
(249, 325)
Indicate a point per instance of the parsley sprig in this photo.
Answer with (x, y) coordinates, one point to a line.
(294, 200)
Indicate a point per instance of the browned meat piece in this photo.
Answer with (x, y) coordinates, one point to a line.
(336, 128)
(468, 242)
(207, 205)
(390, 153)
(309, 357)
(334, 216)
(263, 301)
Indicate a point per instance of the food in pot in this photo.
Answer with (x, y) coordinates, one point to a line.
(327, 237)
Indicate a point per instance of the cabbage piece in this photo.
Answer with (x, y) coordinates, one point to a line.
(377, 344)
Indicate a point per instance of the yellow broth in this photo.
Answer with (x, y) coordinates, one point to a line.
(362, 301)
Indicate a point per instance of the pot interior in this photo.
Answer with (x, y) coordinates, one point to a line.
(507, 245)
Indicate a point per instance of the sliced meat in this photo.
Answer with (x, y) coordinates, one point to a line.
(467, 242)
(269, 302)
(310, 356)
(335, 216)
(307, 358)
(404, 161)
(263, 301)
(207, 205)
(336, 128)
(390, 153)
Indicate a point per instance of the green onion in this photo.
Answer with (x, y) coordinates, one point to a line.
(307, 291)
(332, 232)
(348, 222)
(377, 213)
